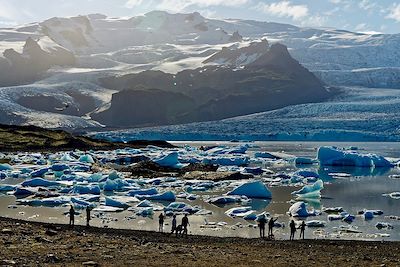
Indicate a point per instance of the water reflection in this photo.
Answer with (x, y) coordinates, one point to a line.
(324, 171)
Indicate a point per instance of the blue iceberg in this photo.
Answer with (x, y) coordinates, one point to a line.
(255, 189)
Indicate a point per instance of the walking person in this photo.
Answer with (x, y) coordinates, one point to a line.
(71, 216)
(173, 228)
(302, 229)
(262, 221)
(161, 223)
(271, 224)
(88, 209)
(292, 226)
(185, 224)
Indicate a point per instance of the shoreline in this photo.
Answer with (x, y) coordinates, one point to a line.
(40, 244)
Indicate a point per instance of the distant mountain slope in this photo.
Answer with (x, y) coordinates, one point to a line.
(271, 81)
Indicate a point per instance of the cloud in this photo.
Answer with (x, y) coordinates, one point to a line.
(133, 3)
(180, 5)
(367, 5)
(394, 12)
(285, 9)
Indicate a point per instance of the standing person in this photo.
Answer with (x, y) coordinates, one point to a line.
(173, 228)
(302, 229)
(88, 209)
(161, 223)
(271, 224)
(292, 229)
(71, 216)
(262, 221)
(185, 223)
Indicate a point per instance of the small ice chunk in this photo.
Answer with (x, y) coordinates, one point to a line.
(383, 225)
(240, 212)
(166, 196)
(303, 161)
(221, 200)
(315, 223)
(6, 167)
(35, 182)
(253, 189)
(115, 203)
(136, 192)
(86, 159)
(86, 189)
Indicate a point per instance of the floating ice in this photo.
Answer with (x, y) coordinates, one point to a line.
(87, 189)
(254, 189)
(299, 209)
(382, 225)
(310, 191)
(315, 223)
(264, 155)
(23, 191)
(347, 217)
(7, 187)
(303, 161)
(144, 204)
(59, 167)
(227, 161)
(169, 160)
(80, 203)
(136, 192)
(394, 195)
(306, 173)
(115, 203)
(115, 185)
(166, 196)
(47, 202)
(86, 158)
(240, 212)
(107, 209)
(368, 215)
(180, 207)
(254, 170)
(39, 173)
(39, 182)
(227, 199)
(5, 167)
(335, 157)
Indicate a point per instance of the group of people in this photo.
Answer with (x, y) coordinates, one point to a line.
(181, 229)
(262, 221)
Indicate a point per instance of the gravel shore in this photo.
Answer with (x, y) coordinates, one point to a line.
(40, 244)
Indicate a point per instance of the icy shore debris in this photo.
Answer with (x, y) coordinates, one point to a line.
(332, 156)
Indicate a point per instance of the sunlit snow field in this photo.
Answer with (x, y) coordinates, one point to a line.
(362, 189)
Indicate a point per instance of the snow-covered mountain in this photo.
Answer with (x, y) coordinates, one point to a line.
(52, 69)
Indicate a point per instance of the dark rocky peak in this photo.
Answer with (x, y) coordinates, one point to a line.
(278, 56)
(32, 48)
(236, 37)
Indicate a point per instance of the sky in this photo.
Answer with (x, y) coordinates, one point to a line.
(375, 16)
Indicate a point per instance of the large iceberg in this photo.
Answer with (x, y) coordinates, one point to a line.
(254, 189)
(333, 156)
(310, 191)
(115, 203)
(299, 209)
(169, 160)
(87, 189)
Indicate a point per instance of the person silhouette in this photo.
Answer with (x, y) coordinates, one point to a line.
(173, 228)
(271, 224)
(262, 221)
(302, 229)
(292, 226)
(185, 223)
(161, 222)
(72, 216)
(88, 209)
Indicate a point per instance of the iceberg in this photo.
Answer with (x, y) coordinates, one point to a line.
(22, 191)
(332, 156)
(310, 191)
(254, 170)
(180, 207)
(144, 204)
(114, 185)
(107, 209)
(39, 173)
(137, 192)
(47, 202)
(5, 167)
(316, 223)
(255, 189)
(382, 225)
(306, 174)
(303, 161)
(221, 200)
(240, 212)
(227, 161)
(299, 209)
(7, 187)
(59, 167)
(169, 160)
(86, 159)
(115, 203)
(87, 189)
(166, 196)
(39, 182)
(81, 203)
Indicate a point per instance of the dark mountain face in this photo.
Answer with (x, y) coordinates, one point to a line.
(272, 81)
(18, 68)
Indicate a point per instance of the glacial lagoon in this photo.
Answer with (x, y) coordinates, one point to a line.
(353, 188)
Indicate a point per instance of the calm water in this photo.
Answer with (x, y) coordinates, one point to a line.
(363, 190)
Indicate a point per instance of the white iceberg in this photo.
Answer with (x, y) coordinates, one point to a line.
(180, 207)
(254, 189)
(221, 200)
(86, 159)
(169, 160)
(315, 223)
(148, 191)
(333, 156)
(310, 191)
(86, 189)
(5, 167)
(240, 212)
(299, 209)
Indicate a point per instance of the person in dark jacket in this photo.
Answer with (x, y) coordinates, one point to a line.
(262, 221)
(72, 216)
(292, 226)
(185, 224)
(271, 224)
(302, 229)
(161, 223)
